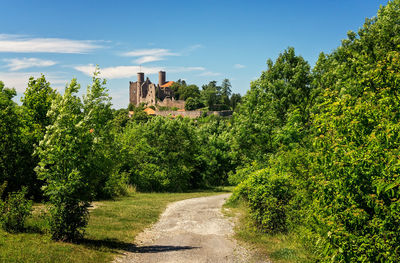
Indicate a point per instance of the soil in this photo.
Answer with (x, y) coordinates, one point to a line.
(192, 230)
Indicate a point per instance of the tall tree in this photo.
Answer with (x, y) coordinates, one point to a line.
(281, 89)
(37, 101)
(11, 141)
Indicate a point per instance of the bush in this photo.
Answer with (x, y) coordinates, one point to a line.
(268, 196)
(161, 154)
(14, 210)
(116, 185)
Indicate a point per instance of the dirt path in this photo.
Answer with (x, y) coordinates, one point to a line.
(192, 230)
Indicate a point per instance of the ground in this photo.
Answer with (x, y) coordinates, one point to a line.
(192, 230)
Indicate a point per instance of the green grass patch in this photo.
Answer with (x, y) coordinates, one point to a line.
(279, 248)
(112, 228)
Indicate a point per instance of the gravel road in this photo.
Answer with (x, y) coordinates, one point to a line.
(192, 230)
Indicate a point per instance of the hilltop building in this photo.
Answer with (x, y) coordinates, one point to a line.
(144, 91)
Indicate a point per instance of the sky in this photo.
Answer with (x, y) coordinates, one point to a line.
(195, 40)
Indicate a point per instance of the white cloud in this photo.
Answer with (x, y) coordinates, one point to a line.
(21, 63)
(150, 55)
(209, 74)
(239, 66)
(146, 59)
(19, 80)
(192, 48)
(184, 69)
(22, 44)
(119, 72)
(149, 52)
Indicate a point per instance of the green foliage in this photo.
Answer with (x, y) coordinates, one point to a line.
(15, 152)
(101, 160)
(161, 155)
(236, 99)
(37, 102)
(63, 153)
(14, 210)
(76, 157)
(282, 89)
(120, 119)
(330, 146)
(216, 97)
(193, 104)
(214, 135)
(268, 196)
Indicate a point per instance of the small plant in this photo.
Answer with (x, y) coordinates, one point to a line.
(14, 210)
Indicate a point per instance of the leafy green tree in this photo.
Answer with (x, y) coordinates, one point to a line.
(120, 119)
(98, 119)
(214, 136)
(177, 87)
(13, 145)
(235, 100)
(226, 92)
(209, 94)
(193, 104)
(37, 101)
(63, 156)
(282, 89)
(191, 91)
(162, 155)
(356, 204)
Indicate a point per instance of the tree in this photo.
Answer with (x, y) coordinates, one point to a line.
(281, 90)
(226, 92)
(63, 156)
(209, 94)
(98, 119)
(191, 91)
(162, 155)
(236, 98)
(11, 141)
(37, 101)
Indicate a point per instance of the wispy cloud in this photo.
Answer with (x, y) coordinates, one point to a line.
(146, 59)
(19, 80)
(184, 69)
(150, 55)
(209, 74)
(239, 66)
(21, 63)
(119, 72)
(23, 44)
(192, 48)
(150, 52)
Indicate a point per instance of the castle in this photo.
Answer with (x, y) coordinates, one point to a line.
(143, 91)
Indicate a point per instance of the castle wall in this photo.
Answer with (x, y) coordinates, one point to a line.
(180, 104)
(193, 114)
(171, 113)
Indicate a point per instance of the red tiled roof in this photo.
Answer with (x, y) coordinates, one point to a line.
(167, 85)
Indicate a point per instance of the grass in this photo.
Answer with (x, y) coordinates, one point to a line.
(279, 248)
(112, 229)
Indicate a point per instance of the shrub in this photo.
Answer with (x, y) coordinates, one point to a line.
(161, 154)
(14, 210)
(268, 196)
(116, 185)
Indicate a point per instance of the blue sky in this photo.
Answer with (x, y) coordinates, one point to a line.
(198, 41)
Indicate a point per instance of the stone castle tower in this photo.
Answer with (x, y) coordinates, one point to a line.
(143, 91)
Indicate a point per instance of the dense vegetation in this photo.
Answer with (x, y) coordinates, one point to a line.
(314, 152)
(322, 146)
